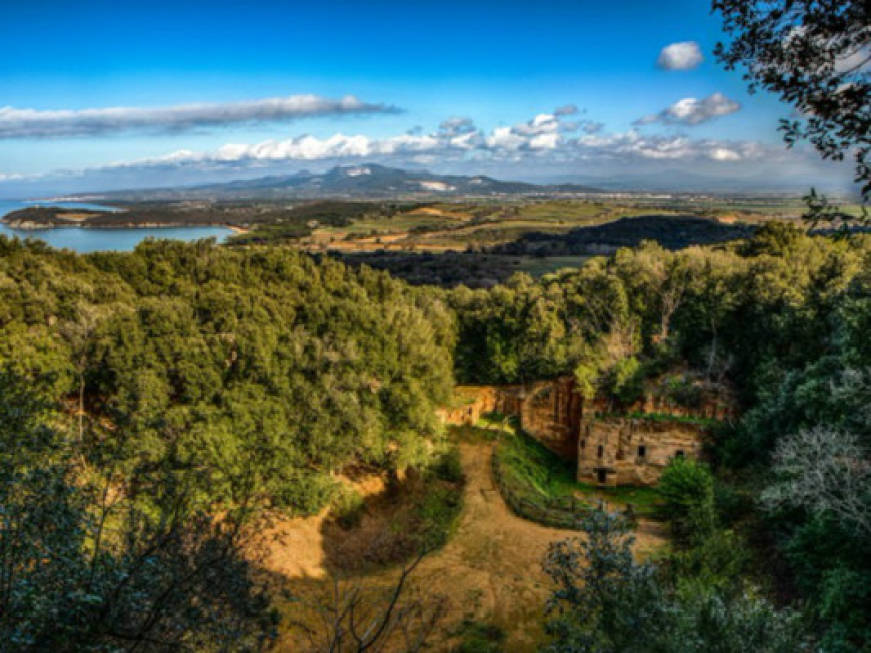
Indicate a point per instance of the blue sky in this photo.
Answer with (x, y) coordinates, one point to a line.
(409, 66)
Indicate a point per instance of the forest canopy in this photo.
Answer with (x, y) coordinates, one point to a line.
(193, 380)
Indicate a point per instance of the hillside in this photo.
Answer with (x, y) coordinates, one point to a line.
(367, 180)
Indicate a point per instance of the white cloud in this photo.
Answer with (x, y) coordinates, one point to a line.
(548, 141)
(538, 137)
(33, 123)
(857, 61)
(724, 154)
(543, 143)
(692, 111)
(505, 138)
(684, 55)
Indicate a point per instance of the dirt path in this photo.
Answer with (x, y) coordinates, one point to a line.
(492, 564)
(490, 569)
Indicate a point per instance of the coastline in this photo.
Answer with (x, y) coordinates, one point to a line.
(26, 225)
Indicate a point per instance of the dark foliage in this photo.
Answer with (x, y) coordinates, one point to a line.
(814, 54)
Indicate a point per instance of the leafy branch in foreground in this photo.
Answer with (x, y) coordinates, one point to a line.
(815, 54)
(111, 560)
(605, 602)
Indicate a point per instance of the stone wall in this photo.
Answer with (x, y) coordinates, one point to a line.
(472, 402)
(610, 448)
(634, 451)
(551, 411)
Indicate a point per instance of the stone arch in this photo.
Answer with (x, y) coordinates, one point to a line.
(550, 411)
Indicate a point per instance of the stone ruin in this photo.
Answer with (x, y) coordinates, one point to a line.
(626, 446)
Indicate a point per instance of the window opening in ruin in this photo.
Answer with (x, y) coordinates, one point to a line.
(583, 444)
(678, 453)
(642, 451)
(601, 451)
(602, 475)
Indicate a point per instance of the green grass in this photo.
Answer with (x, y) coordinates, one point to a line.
(473, 434)
(438, 505)
(437, 511)
(540, 485)
(479, 637)
(645, 501)
(529, 466)
(536, 484)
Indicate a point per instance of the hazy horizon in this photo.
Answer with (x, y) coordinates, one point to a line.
(627, 97)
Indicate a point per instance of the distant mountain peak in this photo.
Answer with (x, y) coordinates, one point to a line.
(364, 180)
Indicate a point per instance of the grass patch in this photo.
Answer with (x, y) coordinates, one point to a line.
(536, 483)
(436, 503)
(347, 507)
(436, 512)
(639, 500)
(479, 637)
(541, 486)
(417, 513)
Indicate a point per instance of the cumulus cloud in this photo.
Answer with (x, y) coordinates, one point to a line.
(684, 55)
(692, 111)
(544, 142)
(634, 145)
(458, 139)
(33, 123)
(457, 125)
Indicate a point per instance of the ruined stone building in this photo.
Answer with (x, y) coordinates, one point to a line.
(633, 450)
(629, 447)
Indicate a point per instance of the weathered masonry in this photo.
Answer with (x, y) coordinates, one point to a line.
(633, 451)
(631, 447)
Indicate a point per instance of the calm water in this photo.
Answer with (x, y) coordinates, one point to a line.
(92, 240)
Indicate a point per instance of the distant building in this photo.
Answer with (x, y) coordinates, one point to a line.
(628, 445)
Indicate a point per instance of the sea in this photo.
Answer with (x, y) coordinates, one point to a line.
(89, 239)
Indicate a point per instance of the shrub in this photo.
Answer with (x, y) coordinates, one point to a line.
(628, 380)
(688, 489)
(479, 637)
(448, 467)
(683, 391)
(347, 507)
(438, 511)
(305, 493)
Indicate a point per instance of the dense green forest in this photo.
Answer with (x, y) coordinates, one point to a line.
(181, 382)
(784, 318)
(154, 402)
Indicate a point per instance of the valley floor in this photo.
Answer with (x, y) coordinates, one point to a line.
(490, 569)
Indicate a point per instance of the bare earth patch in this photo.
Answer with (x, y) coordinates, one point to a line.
(490, 569)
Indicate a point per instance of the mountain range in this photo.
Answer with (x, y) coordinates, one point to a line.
(366, 180)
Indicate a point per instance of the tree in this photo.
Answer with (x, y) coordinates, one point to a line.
(815, 54)
(688, 489)
(79, 335)
(824, 471)
(605, 602)
(355, 618)
(94, 560)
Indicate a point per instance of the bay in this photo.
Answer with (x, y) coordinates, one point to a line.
(84, 240)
